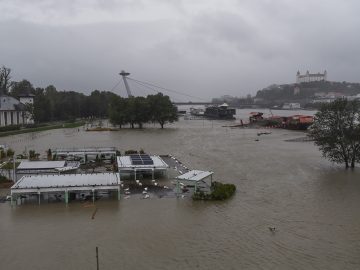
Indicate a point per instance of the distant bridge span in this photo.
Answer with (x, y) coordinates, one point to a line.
(211, 103)
(195, 103)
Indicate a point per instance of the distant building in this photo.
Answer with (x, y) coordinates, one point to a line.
(311, 77)
(26, 98)
(258, 100)
(14, 112)
(328, 97)
(296, 90)
(291, 106)
(356, 97)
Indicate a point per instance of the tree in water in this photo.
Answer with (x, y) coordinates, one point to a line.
(336, 131)
(161, 109)
(117, 111)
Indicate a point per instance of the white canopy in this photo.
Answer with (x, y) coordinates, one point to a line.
(124, 163)
(194, 175)
(37, 165)
(52, 183)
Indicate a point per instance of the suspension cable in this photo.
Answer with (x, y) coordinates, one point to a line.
(163, 88)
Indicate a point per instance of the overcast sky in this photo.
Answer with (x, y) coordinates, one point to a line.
(205, 48)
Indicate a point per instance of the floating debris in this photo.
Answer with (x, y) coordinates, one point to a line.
(272, 229)
(93, 215)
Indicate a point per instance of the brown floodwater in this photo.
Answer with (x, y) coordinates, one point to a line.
(313, 204)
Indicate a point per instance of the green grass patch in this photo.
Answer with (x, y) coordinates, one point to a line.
(42, 128)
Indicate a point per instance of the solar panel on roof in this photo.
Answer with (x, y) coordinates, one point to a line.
(148, 162)
(142, 159)
(135, 162)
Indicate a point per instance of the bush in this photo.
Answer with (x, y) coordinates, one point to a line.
(10, 152)
(35, 125)
(219, 192)
(3, 179)
(129, 152)
(9, 128)
(222, 191)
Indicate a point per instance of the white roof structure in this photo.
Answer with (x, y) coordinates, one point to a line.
(124, 163)
(67, 182)
(38, 165)
(91, 150)
(194, 175)
(67, 168)
(8, 103)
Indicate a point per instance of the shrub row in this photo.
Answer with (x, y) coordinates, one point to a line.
(219, 192)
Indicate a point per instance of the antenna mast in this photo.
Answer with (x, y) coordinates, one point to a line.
(124, 74)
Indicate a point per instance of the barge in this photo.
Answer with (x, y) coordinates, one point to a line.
(295, 122)
(220, 112)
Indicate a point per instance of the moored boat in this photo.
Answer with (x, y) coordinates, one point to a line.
(220, 112)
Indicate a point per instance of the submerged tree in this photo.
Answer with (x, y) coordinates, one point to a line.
(117, 111)
(336, 131)
(162, 110)
(139, 110)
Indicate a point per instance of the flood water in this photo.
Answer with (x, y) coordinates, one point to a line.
(312, 203)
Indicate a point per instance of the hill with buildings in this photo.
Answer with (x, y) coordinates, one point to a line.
(306, 93)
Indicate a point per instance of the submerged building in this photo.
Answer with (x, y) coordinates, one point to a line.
(136, 165)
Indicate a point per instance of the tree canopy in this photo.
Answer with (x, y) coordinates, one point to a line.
(161, 109)
(336, 131)
(139, 110)
(5, 80)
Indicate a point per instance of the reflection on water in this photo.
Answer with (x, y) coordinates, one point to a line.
(312, 203)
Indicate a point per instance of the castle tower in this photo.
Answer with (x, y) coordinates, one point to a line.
(298, 77)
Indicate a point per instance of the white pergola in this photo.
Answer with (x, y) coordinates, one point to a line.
(108, 152)
(195, 177)
(125, 165)
(39, 184)
(47, 166)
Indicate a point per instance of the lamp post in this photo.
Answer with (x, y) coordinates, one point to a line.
(14, 169)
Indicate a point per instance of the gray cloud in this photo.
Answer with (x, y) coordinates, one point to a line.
(203, 48)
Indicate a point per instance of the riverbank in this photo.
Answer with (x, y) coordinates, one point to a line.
(102, 129)
(42, 128)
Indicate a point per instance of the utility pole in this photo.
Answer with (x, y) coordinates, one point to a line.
(97, 258)
(124, 74)
(14, 168)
